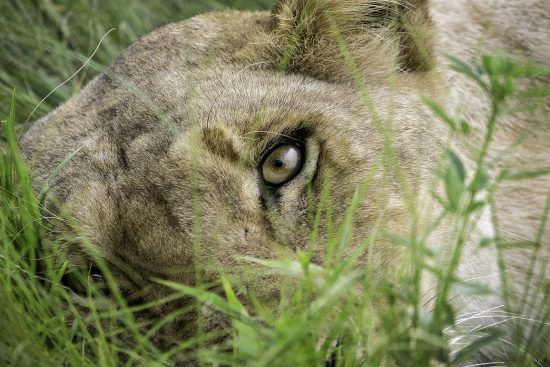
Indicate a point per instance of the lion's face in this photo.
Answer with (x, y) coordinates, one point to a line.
(195, 160)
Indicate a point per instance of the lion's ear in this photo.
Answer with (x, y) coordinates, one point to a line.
(324, 38)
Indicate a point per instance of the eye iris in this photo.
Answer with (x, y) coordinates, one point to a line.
(282, 164)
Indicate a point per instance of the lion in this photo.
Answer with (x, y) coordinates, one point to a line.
(214, 140)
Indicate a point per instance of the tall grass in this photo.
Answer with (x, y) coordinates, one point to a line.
(338, 315)
(44, 42)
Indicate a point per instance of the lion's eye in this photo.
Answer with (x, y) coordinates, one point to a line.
(77, 280)
(95, 275)
(282, 164)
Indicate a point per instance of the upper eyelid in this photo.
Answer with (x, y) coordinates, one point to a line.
(282, 141)
(269, 132)
(297, 136)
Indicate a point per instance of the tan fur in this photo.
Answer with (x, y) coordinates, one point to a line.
(174, 130)
(307, 36)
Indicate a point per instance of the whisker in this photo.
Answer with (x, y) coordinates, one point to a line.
(68, 79)
(485, 364)
(475, 316)
(489, 276)
(515, 346)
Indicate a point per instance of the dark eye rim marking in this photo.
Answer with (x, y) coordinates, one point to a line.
(297, 139)
(76, 282)
(96, 275)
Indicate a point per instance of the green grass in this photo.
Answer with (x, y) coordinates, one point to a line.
(45, 42)
(338, 312)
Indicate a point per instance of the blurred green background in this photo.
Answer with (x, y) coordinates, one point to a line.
(45, 41)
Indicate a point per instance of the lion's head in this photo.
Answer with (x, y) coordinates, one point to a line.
(236, 136)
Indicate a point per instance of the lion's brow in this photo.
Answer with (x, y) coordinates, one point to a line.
(217, 141)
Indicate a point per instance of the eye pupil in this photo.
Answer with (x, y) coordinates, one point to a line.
(279, 163)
